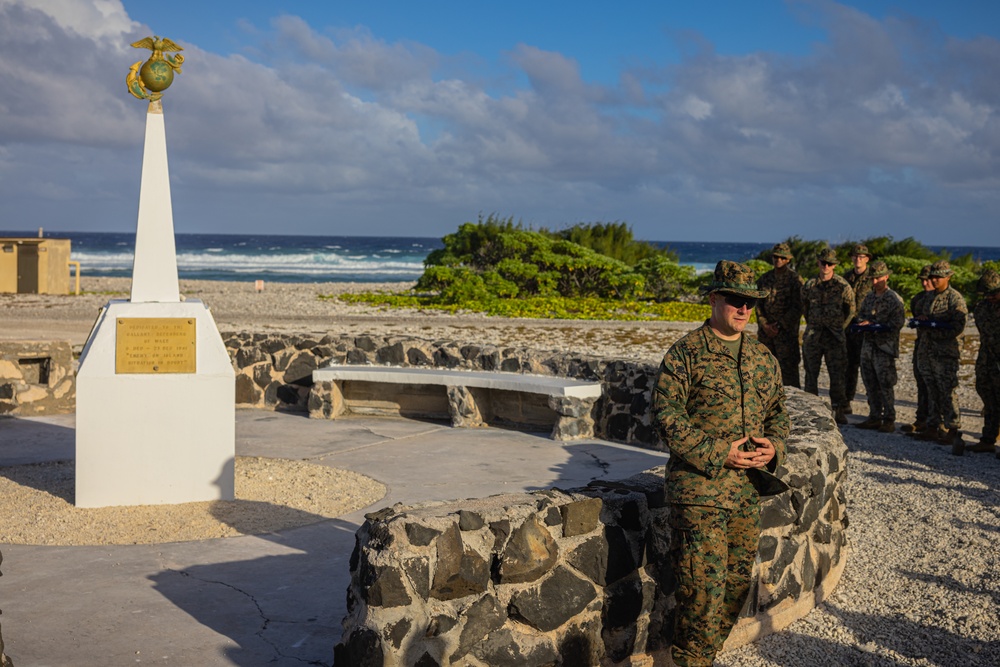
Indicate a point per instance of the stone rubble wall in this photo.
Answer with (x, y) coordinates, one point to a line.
(574, 577)
(274, 371)
(36, 378)
(566, 577)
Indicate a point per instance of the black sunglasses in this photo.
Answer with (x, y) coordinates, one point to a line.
(741, 301)
(827, 263)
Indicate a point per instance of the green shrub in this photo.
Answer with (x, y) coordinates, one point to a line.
(759, 266)
(664, 279)
(613, 239)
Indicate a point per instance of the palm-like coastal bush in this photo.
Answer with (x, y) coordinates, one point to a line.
(499, 257)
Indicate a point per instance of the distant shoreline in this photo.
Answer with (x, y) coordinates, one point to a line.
(67, 234)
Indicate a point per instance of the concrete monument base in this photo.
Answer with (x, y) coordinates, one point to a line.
(150, 438)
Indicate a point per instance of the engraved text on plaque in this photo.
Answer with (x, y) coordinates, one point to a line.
(155, 345)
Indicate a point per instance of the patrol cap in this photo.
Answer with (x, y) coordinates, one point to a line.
(925, 272)
(735, 278)
(860, 249)
(879, 268)
(940, 269)
(989, 282)
(781, 250)
(829, 255)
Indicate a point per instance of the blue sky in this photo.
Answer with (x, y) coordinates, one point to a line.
(689, 121)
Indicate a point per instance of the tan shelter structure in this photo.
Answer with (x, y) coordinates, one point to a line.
(35, 265)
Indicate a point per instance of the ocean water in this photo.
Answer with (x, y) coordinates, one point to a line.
(335, 258)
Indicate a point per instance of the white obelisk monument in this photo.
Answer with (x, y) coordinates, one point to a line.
(155, 407)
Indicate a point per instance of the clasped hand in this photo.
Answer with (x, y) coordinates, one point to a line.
(759, 457)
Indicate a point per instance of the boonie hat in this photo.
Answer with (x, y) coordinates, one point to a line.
(735, 278)
(829, 255)
(940, 269)
(860, 249)
(925, 272)
(879, 269)
(781, 250)
(989, 282)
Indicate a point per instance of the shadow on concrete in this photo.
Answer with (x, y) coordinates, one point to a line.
(31, 440)
(591, 461)
(26, 444)
(281, 609)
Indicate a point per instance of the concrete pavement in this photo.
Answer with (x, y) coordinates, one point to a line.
(274, 599)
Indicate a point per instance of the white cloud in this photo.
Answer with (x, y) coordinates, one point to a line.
(97, 19)
(878, 126)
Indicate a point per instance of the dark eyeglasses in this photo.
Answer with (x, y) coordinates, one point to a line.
(827, 263)
(741, 301)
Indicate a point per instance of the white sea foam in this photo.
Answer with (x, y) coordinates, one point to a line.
(317, 264)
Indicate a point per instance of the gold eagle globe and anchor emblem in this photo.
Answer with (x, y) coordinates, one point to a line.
(147, 80)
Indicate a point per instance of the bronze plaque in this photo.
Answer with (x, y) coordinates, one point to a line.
(156, 345)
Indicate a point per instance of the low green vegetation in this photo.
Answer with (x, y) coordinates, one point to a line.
(563, 308)
(599, 271)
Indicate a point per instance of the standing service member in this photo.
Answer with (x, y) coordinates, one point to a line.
(778, 314)
(828, 306)
(720, 406)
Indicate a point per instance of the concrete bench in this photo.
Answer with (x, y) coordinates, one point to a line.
(469, 398)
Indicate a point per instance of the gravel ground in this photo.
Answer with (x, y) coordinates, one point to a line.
(922, 582)
(36, 505)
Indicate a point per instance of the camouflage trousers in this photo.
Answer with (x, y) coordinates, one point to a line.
(878, 372)
(785, 348)
(855, 346)
(941, 375)
(818, 344)
(988, 388)
(712, 552)
(921, 417)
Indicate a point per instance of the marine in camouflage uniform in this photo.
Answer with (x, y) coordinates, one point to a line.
(721, 410)
(779, 314)
(828, 306)
(945, 319)
(987, 315)
(879, 320)
(860, 280)
(918, 306)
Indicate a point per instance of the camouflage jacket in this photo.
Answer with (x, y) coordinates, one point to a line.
(988, 323)
(946, 308)
(705, 400)
(783, 306)
(828, 304)
(861, 283)
(888, 310)
(919, 305)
